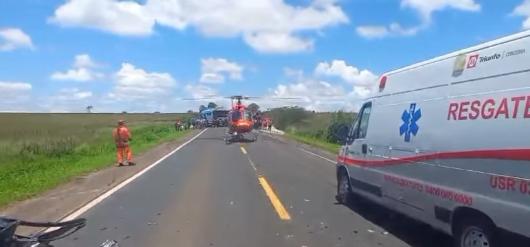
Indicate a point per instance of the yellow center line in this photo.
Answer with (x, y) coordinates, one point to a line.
(275, 200)
(276, 203)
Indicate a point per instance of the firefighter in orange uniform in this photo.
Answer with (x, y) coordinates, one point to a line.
(122, 136)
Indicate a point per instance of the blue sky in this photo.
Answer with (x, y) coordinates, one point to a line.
(145, 56)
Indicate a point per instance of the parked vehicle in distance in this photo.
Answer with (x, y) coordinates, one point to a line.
(207, 116)
(447, 142)
(220, 118)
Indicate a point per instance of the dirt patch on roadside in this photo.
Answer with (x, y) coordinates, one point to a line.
(57, 203)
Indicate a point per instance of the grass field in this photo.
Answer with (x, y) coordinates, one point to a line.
(41, 151)
(313, 128)
(316, 142)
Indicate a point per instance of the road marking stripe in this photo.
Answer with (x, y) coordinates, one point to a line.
(252, 164)
(275, 200)
(107, 194)
(276, 203)
(319, 156)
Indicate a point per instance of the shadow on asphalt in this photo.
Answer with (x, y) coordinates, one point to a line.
(415, 233)
(221, 139)
(244, 140)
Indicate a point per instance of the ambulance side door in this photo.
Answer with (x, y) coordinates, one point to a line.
(358, 149)
(357, 143)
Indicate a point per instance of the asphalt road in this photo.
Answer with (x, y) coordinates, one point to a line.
(265, 193)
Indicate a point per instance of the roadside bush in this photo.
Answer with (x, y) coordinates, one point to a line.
(288, 116)
(321, 126)
(339, 120)
(332, 130)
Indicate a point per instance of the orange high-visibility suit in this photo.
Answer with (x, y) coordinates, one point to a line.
(122, 136)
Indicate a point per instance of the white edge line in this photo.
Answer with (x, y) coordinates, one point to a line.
(243, 150)
(107, 194)
(319, 156)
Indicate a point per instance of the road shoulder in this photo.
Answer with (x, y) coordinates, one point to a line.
(306, 147)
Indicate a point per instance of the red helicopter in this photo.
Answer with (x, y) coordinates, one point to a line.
(239, 118)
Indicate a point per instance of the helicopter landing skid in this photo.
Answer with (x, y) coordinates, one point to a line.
(238, 137)
(231, 137)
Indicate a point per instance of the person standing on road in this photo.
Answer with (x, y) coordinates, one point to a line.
(122, 136)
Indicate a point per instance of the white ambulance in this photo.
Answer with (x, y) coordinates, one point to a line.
(447, 142)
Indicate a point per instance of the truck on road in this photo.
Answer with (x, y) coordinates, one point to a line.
(447, 142)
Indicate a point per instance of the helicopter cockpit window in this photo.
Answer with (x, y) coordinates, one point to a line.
(236, 115)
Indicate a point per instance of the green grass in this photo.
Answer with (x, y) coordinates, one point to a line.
(42, 151)
(311, 129)
(313, 141)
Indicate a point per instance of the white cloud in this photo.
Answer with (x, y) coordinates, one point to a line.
(425, 9)
(394, 29)
(293, 73)
(260, 22)
(80, 74)
(277, 42)
(70, 100)
(134, 83)
(15, 95)
(198, 91)
(212, 78)
(73, 94)
(361, 92)
(372, 31)
(8, 89)
(214, 70)
(120, 17)
(524, 10)
(346, 72)
(84, 61)
(14, 38)
(313, 94)
(321, 95)
(82, 70)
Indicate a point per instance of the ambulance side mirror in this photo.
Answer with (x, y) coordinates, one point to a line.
(341, 133)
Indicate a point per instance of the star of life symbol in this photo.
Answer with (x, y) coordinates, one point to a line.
(410, 119)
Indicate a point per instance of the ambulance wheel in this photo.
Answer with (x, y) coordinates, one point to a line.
(344, 193)
(474, 232)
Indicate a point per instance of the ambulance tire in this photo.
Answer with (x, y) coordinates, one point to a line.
(344, 192)
(474, 231)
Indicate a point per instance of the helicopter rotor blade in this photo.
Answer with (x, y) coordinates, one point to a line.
(272, 98)
(212, 97)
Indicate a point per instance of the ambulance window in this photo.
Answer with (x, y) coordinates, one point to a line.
(365, 117)
(354, 127)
